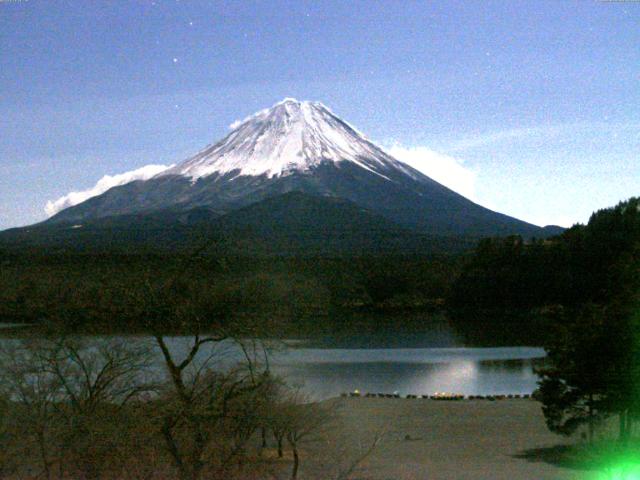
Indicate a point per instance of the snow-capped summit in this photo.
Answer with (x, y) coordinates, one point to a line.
(290, 136)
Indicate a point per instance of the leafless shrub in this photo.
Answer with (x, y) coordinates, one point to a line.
(67, 395)
(208, 418)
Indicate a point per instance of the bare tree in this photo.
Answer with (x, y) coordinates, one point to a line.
(32, 393)
(68, 393)
(208, 411)
(334, 453)
(295, 419)
(98, 379)
(208, 414)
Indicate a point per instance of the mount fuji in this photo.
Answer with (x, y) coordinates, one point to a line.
(288, 156)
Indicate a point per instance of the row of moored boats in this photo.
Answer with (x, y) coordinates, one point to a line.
(437, 396)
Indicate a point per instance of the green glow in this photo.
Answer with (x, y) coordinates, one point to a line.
(625, 470)
(612, 460)
(626, 473)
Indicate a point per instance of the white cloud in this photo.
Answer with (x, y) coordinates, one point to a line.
(235, 124)
(444, 169)
(560, 220)
(104, 184)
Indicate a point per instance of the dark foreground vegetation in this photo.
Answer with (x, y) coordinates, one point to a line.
(74, 408)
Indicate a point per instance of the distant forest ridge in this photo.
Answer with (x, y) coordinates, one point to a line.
(503, 291)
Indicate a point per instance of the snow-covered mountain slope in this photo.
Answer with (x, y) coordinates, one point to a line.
(289, 137)
(301, 146)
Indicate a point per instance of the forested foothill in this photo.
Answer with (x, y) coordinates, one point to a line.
(103, 292)
(508, 290)
(512, 285)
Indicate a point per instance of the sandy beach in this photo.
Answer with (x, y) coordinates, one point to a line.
(462, 440)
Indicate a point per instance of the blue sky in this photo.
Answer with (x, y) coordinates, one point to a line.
(529, 107)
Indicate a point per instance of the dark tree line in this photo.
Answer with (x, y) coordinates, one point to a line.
(99, 292)
(580, 266)
(579, 293)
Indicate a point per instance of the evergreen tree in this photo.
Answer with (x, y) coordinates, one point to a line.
(593, 363)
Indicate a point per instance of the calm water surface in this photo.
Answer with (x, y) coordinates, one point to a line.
(431, 365)
(470, 371)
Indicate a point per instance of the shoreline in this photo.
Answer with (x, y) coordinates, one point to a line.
(462, 440)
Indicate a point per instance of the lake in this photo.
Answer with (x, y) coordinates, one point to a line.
(327, 369)
(407, 364)
(425, 366)
(325, 373)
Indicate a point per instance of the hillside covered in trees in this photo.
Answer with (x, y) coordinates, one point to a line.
(515, 284)
(293, 296)
(506, 291)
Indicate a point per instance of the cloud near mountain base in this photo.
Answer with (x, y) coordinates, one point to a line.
(444, 169)
(105, 183)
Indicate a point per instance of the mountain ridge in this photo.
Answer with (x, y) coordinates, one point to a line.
(304, 147)
(290, 224)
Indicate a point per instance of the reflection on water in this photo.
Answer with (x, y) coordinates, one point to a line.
(327, 372)
(482, 371)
